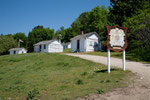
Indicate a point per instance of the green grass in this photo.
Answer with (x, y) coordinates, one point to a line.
(55, 77)
(67, 50)
(129, 56)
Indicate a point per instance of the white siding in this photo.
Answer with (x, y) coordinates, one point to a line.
(21, 51)
(44, 49)
(73, 45)
(93, 43)
(65, 46)
(36, 48)
(93, 37)
(69, 46)
(11, 52)
(82, 43)
(55, 47)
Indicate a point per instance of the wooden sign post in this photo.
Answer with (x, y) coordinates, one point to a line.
(116, 41)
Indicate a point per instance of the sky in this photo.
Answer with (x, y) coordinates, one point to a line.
(24, 15)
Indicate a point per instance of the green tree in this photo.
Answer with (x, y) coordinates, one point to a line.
(6, 42)
(39, 34)
(139, 34)
(23, 37)
(120, 10)
(95, 20)
(66, 34)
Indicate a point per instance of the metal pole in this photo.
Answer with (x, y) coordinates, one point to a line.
(18, 44)
(124, 66)
(108, 61)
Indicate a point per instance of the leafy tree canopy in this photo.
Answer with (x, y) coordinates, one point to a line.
(39, 34)
(6, 42)
(23, 37)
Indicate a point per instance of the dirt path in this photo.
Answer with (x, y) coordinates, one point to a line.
(139, 90)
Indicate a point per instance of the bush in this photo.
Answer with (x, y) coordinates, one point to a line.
(108, 81)
(84, 73)
(102, 81)
(99, 91)
(33, 94)
(79, 82)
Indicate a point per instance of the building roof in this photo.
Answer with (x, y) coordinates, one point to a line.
(44, 42)
(84, 35)
(16, 49)
(66, 43)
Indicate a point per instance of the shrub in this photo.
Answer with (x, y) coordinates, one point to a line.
(79, 82)
(84, 73)
(99, 91)
(108, 81)
(33, 94)
(102, 81)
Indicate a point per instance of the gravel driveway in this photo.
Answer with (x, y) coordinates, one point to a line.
(140, 90)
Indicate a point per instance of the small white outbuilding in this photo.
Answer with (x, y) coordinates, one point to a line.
(17, 51)
(86, 42)
(67, 45)
(50, 46)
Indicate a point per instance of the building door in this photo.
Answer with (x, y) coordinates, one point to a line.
(40, 47)
(78, 45)
(14, 52)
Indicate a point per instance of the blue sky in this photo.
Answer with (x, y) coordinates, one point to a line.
(24, 15)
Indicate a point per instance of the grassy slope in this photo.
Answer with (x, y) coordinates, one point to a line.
(55, 76)
(67, 50)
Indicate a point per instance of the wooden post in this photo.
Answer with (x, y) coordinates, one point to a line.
(108, 61)
(123, 61)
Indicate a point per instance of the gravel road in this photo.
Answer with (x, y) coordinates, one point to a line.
(140, 90)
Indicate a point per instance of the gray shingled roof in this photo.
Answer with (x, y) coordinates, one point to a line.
(84, 35)
(44, 42)
(16, 49)
(66, 43)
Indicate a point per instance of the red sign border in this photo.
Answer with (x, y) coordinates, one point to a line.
(125, 28)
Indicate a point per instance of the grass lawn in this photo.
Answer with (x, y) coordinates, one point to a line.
(55, 77)
(67, 51)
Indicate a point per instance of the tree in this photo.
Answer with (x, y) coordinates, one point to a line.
(139, 34)
(120, 10)
(95, 20)
(23, 37)
(39, 34)
(6, 42)
(65, 33)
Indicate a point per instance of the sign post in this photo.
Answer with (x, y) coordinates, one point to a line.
(116, 41)
(124, 66)
(108, 61)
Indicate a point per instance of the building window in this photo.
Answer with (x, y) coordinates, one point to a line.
(91, 43)
(44, 46)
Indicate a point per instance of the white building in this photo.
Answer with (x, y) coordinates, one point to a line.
(48, 46)
(86, 42)
(67, 45)
(17, 51)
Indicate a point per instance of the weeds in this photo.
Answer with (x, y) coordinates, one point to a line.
(79, 82)
(100, 91)
(33, 94)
